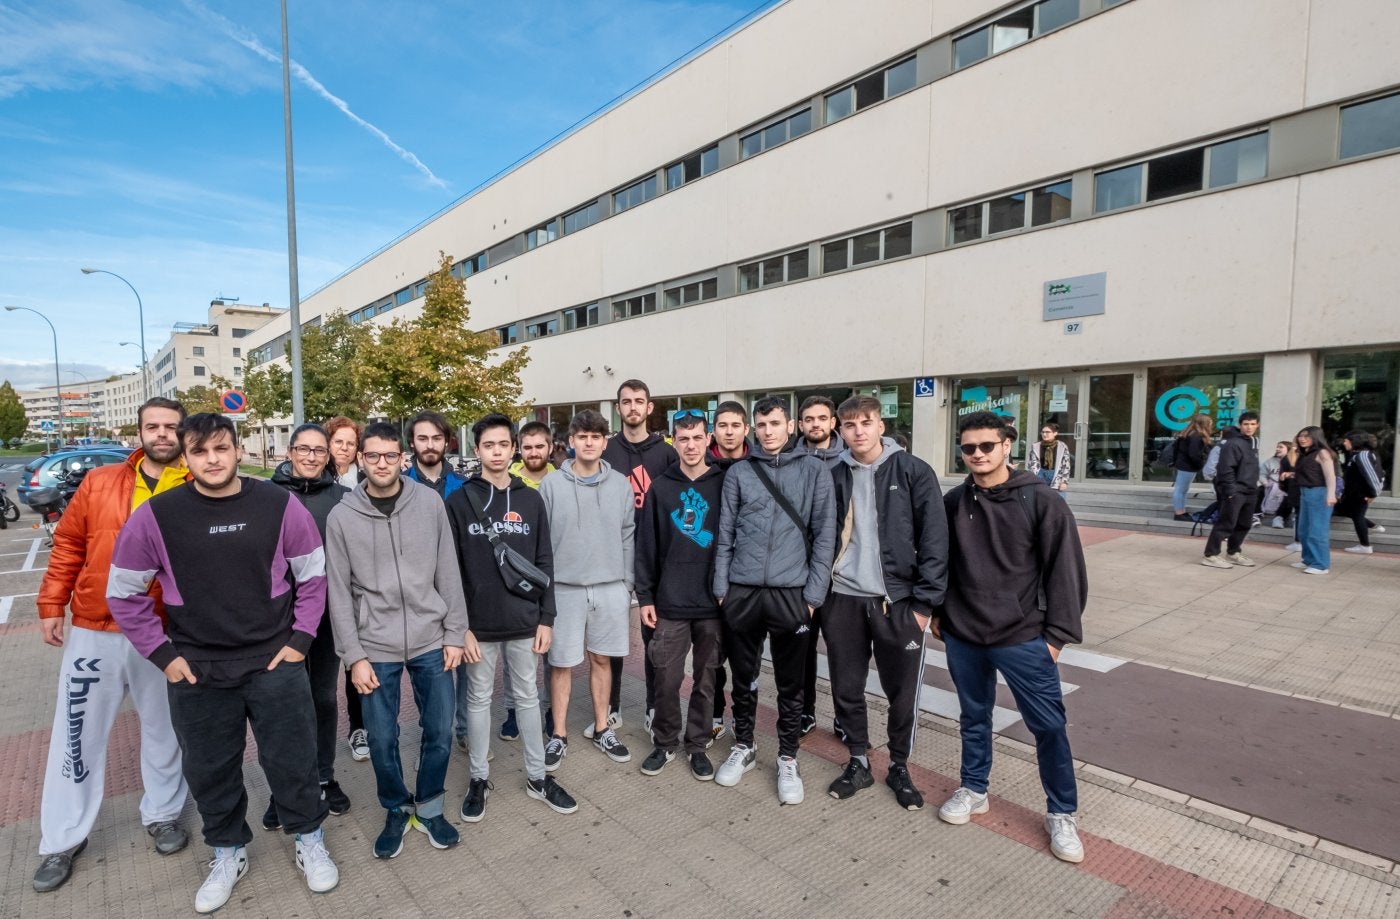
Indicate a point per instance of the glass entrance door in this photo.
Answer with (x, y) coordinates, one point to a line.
(1060, 405)
(1108, 423)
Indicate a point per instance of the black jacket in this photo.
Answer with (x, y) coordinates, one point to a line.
(1237, 470)
(517, 514)
(913, 527)
(1009, 583)
(641, 463)
(1191, 453)
(319, 495)
(675, 559)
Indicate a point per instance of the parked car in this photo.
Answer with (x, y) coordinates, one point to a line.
(40, 484)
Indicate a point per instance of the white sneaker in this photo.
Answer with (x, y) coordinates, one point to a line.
(224, 872)
(359, 745)
(1064, 837)
(741, 759)
(315, 862)
(1298, 565)
(1378, 528)
(1316, 570)
(614, 722)
(1278, 523)
(959, 809)
(1240, 559)
(789, 782)
(1293, 547)
(1215, 561)
(1358, 550)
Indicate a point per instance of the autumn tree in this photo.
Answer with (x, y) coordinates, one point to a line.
(331, 354)
(13, 420)
(269, 391)
(437, 362)
(204, 398)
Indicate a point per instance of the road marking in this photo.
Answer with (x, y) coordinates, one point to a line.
(1089, 660)
(6, 603)
(33, 551)
(26, 552)
(940, 660)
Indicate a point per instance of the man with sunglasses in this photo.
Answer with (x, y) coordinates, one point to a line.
(1017, 587)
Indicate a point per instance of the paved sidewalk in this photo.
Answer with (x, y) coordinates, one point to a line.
(671, 846)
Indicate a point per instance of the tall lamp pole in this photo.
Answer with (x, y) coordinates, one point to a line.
(294, 333)
(141, 316)
(57, 385)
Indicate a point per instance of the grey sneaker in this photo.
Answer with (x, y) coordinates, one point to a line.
(1064, 837)
(169, 836)
(789, 782)
(224, 871)
(1215, 561)
(55, 869)
(741, 759)
(960, 808)
(359, 745)
(1240, 559)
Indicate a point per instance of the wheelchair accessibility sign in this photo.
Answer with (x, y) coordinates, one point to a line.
(923, 387)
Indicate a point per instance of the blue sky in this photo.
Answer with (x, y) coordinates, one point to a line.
(145, 137)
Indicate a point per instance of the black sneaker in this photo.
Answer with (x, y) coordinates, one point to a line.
(701, 768)
(657, 761)
(270, 819)
(474, 807)
(509, 729)
(440, 833)
(336, 799)
(390, 841)
(554, 752)
(853, 779)
(904, 791)
(548, 791)
(613, 748)
(807, 725)
(55, 869)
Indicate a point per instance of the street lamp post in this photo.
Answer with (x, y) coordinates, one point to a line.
(141, 317)
(57, 384)
(294, 333)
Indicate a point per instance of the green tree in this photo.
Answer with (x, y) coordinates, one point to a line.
(331, 355)
(13, 421)
(203, 398)
(269, 391)
(437, 362)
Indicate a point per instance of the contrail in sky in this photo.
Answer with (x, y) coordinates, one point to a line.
(250, 41)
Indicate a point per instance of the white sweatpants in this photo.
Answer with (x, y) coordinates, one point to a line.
(99, 668)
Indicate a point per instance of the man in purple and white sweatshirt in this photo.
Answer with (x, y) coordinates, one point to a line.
(242, 573)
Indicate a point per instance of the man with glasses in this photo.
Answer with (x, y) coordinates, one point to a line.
(397, 605)
(1017, 587)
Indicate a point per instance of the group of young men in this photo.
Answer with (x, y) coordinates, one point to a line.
(252, 597)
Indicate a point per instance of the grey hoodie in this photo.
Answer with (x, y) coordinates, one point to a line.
(393, 585)
(591, 525)
(858, 570)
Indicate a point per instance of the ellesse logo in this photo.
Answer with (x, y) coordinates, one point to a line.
(512, 517)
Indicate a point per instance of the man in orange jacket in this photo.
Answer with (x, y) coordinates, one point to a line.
(99, 664)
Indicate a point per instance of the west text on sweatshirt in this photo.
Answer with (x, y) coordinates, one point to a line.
(592, 523)
(676, 544)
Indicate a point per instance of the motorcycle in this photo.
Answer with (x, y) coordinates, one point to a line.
(9, 510)
(52, 511)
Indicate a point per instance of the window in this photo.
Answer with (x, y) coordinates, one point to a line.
(542, 328)
(864, 248)
(383, 308)
(1012, 29)
(580, 317)
(1240, 159)
(629, 307)
(241, 333)
(470, 266)
(1118, 188)
(237, 352)
(1032, 207)
(687, 294)
(692, 167)
(585, 216)
(355, 317)
(238, 370)
(198, 371)
(780, 132)
(508, 334)
(868, 90)
(1369, 127)
(541, 235)
(634, 194)
(400, 298)
(420, 289)
(198, 351)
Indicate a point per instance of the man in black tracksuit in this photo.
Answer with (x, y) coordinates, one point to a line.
(641, 456)
(890, 571)
(1236, 488)
(1017, 587)
(772, 569)
(674, 567)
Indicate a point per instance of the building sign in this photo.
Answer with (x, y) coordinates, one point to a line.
(1176, 406)
(1068, 298)
(976, 399)
(923, 387)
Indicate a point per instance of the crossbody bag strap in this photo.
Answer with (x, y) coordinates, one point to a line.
(787, 507)
(474, 500)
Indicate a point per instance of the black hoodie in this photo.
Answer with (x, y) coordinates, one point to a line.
(319, 495)
(641, 463)
(676, 544)
(1007, 584)
(518, 516)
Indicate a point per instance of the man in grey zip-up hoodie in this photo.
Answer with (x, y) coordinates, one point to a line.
(770, 573)
(592, 519)
(396, 604)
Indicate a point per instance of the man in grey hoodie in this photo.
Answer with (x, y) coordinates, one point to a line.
(772, 568)
(592, 519)
(396, 604)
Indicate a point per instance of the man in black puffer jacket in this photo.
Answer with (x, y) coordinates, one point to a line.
(1236, 488)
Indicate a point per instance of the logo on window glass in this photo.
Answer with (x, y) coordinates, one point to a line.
(975, 399)
(1176, 406)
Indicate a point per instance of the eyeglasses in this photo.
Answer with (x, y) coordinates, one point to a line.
(986, 446)
(304, 450)
(374, 459)
(1047, 431)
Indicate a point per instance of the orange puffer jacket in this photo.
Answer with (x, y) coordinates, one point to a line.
(82, 548)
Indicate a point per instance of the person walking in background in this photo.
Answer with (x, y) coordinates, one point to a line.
(1362, 483)
(1189, 457)
(1236, 484)
(1049, 459)
(1316, 473)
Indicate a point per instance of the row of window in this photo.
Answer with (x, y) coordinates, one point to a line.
(779, 269)
(1033, 207)
(876, 87)
(1229, 162)
(864, 248)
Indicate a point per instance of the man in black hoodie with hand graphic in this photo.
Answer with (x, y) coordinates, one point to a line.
(674, 564)
(1017, 587)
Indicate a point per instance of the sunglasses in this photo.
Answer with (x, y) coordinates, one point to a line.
(986, 446)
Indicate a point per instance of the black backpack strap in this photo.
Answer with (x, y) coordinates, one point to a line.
(787, 507)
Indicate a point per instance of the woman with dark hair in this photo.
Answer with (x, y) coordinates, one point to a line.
(1049, 458)
(1191, 451)
(1316, 474)
(1361, 484)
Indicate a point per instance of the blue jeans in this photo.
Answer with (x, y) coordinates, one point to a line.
(1314, 522)
(1034, 681)
(434, 696)
(1183, 485)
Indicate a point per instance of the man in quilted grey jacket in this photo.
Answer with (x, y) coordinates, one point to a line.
(772, 568)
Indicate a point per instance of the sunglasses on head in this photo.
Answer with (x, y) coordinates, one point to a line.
(689, 413)
(986, 446)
